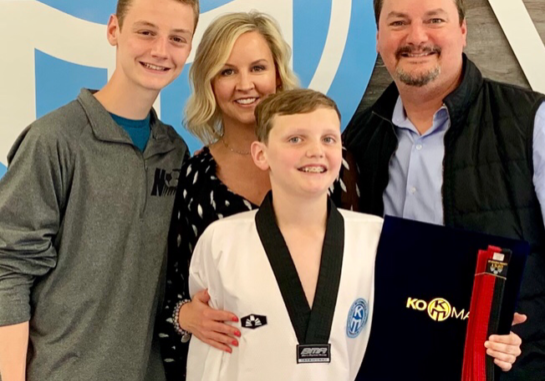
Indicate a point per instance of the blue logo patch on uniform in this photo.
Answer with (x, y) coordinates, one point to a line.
(357, 318)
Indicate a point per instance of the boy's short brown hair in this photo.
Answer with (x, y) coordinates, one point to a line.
(289, 102)
(123, 6)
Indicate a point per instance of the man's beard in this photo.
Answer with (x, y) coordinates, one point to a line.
(420, 79)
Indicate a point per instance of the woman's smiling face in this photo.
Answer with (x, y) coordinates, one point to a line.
(246, 78)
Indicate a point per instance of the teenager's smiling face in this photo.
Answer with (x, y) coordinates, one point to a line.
(246, 78)
(421, 41)
(153, 43)
(303, 152)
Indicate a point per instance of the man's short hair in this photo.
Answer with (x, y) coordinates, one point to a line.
(123, 7)
(460, 4)
(289, 102)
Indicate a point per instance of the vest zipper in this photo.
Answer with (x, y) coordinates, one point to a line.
(443, 165)
(391, 156)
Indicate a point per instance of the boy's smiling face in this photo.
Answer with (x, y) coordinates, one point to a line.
(152, 44)
(303, 152)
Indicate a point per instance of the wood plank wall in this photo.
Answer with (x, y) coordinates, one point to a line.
(487, 46)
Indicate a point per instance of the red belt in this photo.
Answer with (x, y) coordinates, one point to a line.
(484, 313)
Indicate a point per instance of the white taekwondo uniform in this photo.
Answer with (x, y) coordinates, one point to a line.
(245, 264)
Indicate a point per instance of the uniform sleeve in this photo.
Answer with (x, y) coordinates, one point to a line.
(201, 266)
(204, 272)
(182, 283)
(344, 191)
(31, 200)
(539, 157)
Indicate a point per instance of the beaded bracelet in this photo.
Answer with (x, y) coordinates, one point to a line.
(186, 335)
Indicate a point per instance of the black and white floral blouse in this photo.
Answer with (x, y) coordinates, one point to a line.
(200, 200)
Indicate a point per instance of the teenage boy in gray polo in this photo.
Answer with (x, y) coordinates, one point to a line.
(84, 214)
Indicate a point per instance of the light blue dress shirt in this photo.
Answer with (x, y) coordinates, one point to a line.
(416, 168)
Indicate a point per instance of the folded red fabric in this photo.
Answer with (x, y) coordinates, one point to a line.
(484, 312)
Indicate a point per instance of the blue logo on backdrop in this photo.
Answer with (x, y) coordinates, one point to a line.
(357, 318)
(333, 51)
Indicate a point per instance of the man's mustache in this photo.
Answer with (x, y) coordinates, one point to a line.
(411, 49)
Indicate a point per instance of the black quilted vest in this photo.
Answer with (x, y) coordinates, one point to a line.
(487, 173)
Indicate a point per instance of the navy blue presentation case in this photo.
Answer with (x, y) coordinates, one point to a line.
(423, 283)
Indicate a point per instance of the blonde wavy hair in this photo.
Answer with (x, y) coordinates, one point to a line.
(202, 116)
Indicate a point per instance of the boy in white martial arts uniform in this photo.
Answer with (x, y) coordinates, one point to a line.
(298, 272)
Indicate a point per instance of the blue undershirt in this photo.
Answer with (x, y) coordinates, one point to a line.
(416, 168)
(138, 130)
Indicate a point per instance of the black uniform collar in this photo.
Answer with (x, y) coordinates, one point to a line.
(310, 326)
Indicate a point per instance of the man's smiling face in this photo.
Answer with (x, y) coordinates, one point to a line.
(421, 41)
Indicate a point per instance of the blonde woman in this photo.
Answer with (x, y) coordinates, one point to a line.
(241, 59)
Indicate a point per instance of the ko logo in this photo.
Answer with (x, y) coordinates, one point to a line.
(439, 309)
(60, 46)
(357, 318)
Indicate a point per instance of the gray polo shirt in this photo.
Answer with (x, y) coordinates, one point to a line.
(84, 218)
